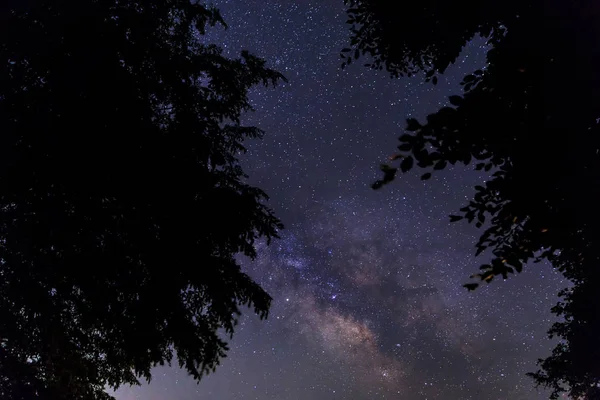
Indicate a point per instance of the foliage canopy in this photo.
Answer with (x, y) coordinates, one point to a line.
(530, 117)
(122, 201)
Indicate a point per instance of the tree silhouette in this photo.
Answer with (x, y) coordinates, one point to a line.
(123, 204)
(530, 118)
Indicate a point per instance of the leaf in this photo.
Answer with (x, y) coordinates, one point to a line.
(377, 185)
(518, 266)
(407, 137)
(454, 218)
(346, 50)
(440, 165)
(356, 53)
(412, 125)
(422, 155)
(469, 78)
(434, 80)
(407, 164)
(455, 100)
(405, 147)
(426, 176)
(389, 174)
(506, 271)
(430, 73)
(471, 286)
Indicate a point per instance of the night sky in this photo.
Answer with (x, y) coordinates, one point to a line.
(367, 285)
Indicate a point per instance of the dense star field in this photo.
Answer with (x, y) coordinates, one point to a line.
(367, 285)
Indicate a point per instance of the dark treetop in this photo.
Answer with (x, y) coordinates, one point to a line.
(530, 118)
(122, 201)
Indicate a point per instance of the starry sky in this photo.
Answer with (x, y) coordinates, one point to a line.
(367, 285)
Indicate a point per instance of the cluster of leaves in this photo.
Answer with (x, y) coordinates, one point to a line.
(122, 203)
(531, 121)
(396, 42)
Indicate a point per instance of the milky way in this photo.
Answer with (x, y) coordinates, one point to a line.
(368, 302)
